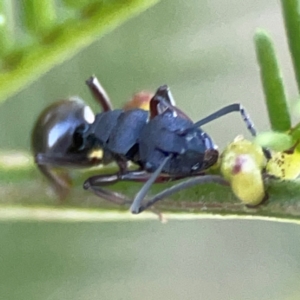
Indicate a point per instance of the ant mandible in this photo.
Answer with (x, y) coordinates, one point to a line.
(163, 142)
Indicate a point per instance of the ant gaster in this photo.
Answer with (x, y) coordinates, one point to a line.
(163, 142)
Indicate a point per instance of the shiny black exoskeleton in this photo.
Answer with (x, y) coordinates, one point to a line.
(163, 142)
(169, 134)
(53, 134)
(146, 140)
(117, 132)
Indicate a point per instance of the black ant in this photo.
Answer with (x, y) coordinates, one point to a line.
(163, 142)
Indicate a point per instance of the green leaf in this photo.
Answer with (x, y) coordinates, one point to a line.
(291, 16)
(277, 141)
(272, 82)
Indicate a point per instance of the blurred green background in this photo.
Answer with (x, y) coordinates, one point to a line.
(204, 51)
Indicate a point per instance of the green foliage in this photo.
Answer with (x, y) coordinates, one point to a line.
(272, 82)
(50, 35)
(277, 141)
(291, 16)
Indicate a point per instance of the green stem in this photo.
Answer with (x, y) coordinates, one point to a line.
(272, 82)
(64, 42)
(291, 16)
(77, 3)
(20, 185)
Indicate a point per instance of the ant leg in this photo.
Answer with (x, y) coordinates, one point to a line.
(59, 180)
(97, 182)
(169, 97)
(99, 93)
(72, 160)
(144, 190)
(163, 100)
(181, 186)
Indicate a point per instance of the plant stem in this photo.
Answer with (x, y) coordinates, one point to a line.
(30, 63)
(20, 187)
